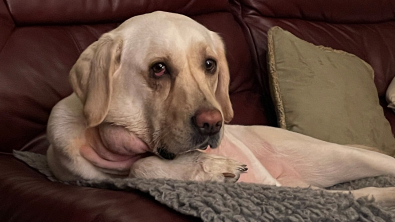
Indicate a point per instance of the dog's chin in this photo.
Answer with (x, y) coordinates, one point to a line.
(165, 154)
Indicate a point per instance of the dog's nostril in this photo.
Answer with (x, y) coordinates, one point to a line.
(206, 126)
(210, 129)
(208, 122)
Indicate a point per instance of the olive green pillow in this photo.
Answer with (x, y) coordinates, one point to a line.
(324, 93)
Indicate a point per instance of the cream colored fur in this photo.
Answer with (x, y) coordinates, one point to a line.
(121, 110)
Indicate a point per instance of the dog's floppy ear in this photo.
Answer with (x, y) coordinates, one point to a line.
(91, 77)
(222, 91)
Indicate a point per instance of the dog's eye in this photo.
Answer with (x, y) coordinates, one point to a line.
(210, 65)
(159, 69)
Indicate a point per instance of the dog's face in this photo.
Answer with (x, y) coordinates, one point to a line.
(162, 76)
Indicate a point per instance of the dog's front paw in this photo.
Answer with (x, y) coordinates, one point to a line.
(222, 169)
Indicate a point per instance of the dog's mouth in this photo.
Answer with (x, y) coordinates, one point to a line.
(207, 143)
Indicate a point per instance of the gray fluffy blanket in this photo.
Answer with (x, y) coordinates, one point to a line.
(213, 201)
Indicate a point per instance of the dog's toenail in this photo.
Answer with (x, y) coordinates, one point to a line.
(243, 169)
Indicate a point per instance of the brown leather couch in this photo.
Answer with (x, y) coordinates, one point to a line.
(41, 40)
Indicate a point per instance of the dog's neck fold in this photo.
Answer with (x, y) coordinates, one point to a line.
(112, 148)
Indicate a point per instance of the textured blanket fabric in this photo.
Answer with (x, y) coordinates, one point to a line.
(245, 202)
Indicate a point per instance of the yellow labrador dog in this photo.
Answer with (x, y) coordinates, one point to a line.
(151, 96)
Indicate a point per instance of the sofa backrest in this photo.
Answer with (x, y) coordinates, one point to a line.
(364, 28)
(41, 40)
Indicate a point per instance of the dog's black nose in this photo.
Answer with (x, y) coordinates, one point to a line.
(166, 154)
(208, 121)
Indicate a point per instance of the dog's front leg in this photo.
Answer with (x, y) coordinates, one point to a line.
(194, 165)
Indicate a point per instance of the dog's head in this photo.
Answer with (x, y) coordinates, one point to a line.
(162, 76)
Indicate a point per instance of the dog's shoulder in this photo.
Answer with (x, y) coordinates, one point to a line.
(66, 120)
